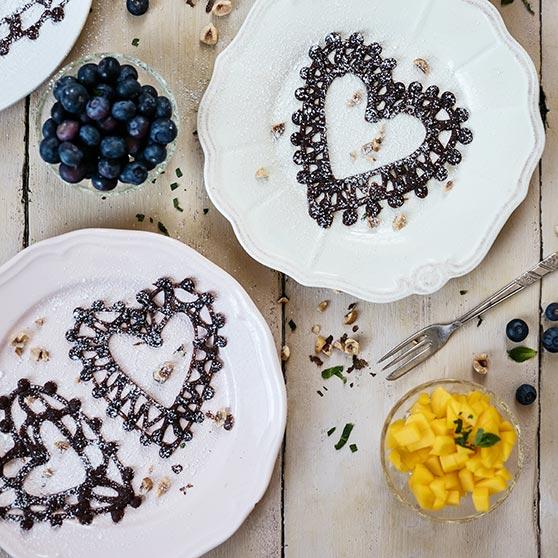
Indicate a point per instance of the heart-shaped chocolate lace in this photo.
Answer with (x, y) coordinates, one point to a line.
(386, 99)
(170, 426)
(25, 413)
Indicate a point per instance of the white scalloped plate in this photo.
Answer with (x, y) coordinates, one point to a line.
(30, 62)
(229, 471)
(448, 234)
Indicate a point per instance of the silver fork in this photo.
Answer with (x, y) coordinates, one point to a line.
(428, 341)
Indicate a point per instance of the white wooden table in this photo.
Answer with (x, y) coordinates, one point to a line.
(323, 502)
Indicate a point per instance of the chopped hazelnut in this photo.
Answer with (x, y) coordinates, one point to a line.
(19, 342)
(283, 300)
(322, 307)
(352, 347)
(338, 345)
(399, 222)
(222, 8)
(163, 486)
(277, 130)
(480, 364)
(353, 155)
(285, 353)
(422, 65)
(62, 445)
(162, 374)
(448, 186)
(355, 99)
(316, 329)
(351, 317)
(38, 354)
(262, 174)
(319, 344)
(40, 322)
(209, 35)
(146, 485)
(374, 222)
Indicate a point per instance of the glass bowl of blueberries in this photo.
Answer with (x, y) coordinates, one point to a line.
(108, 123)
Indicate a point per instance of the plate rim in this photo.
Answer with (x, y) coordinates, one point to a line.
(446, 270)
(9, 270)
(65, 52)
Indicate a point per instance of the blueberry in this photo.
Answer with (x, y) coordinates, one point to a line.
(147, 104)
(149, 90)
(109, 124)
(67, 130)
(98, 108)
(60, 84)
(104, 90)
(550, 340)
(103, 184)
(109, 168)
(551, 312)
(128, 89)
(89, 135)
(163, 131)
(123, 110)
(48, 150)
(154, 154)
(74, 97)
(109, 69)
(126, 72)
(70, 154)
(517, 330)
(49, 128)
(137, 7)
(71, 174)
(526, 394)
(164, 108)
(138, 127)
(134, 173)
(113, 147)
(57, 113)
(134, 145)
(88, 75)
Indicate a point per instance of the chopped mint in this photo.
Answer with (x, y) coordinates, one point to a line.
(176, 204)
(485, 439)
(331, 431)
(163, 229)
(179, 172)
(135, 42)
(335, 371)
(522, 354)
(174, 186)
(140, 217)
(353, 448)
(344, 436)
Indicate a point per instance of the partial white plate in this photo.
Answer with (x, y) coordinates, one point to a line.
(229, 470)
(30, 62)
(448, 234)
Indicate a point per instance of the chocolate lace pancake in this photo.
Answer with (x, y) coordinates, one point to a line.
(386, 99)
(98, 494)
(17, 26)
(168, 427)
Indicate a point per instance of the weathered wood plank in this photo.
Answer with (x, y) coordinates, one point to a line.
(336, 502)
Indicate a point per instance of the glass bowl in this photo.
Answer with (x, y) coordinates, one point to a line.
(146, 76)
(398, 482)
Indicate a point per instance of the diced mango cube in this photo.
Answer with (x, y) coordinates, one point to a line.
(439, 401)
(454, 498)
(409, 434)
(495, 484)
(439, 427)
(397, 461)
(451, 481)
(423, 495)
(438, 487)
(489, 456)
(509, 437)
(443, 445)
(421, 475)
(466, 479)
(433, 465)
(505, 474)
(481, 499)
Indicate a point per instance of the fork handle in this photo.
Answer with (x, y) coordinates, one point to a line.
(548, 265)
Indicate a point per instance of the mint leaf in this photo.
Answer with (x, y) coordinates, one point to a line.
(344, 436)
(485, 439)
(335, 371)
(522, 354)
(331, 431)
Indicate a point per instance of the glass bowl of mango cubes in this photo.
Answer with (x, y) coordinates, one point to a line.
(451, 450)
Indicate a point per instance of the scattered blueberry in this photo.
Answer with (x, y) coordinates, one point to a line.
(89, 135)
(164, 108)
(123, 110)
(127, 71)
(71, 174)
(74, 97)
(154, 154)
(60, 84)
(163, 131)
(517, 330)
(67, 130)
(134, 173)
(109, 69)
(526, 394)
(105, 126)
(137, 7)
(49, 150)
(98, 108)
(57, 112)
(70, 154)
(113, 147)
(88, 75)
(138, 127)
(551, 312)
(109, 168)
(550, 340)
(104, 184)
(49, 128)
